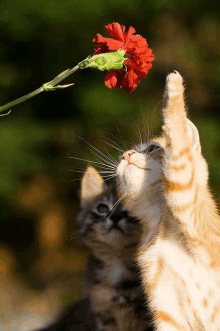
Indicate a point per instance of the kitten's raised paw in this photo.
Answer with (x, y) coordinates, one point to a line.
(174, 77)
(174, 87)
(174, 82)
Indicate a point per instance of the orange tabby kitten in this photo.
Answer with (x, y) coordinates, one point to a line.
(165, 185)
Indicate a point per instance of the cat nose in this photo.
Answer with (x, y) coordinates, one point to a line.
(127, 154)
(116, 218)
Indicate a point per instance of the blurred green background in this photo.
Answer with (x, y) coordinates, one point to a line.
(39, 196)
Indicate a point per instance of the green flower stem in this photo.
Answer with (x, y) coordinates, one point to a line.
(104, 61)
(50, 86)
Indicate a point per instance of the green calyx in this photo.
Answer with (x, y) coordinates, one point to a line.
(106, 61)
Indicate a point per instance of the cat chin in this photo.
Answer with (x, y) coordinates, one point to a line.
(130, 179)
(115, 239)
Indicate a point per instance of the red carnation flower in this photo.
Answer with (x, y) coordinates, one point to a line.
(135, 46)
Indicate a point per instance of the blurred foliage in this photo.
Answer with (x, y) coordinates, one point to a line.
(40, 39)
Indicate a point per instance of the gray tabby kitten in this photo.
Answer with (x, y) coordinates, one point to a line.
(112, 278)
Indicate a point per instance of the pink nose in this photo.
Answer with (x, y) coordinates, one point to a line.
(127, 154)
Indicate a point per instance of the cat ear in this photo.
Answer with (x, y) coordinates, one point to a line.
(92, 185)
(194, 136)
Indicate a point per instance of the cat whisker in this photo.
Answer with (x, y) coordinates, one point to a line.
(107, 159)
(122, 140)
(110, 155)
(104, 168)
(95, 149)
(147, 134)
(108, 162)
(107, 172)
(83, 171)
(115, 205)
(148, 128)
(139, 132)
(109, 177)
(112, 209)
(141, 142)
(112, 141)
(111, 164)
(105, 178)
(133, 144)
(120, 150)
(99, 164)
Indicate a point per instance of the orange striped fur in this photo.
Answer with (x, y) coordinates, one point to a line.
(180, 251)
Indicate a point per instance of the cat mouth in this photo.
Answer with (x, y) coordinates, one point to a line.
(115, 227)
(143, 168)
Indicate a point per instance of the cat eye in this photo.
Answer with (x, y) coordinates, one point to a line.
(132, 220)
(151, 148)
(102, 208)
(129, 217)
(125, 214)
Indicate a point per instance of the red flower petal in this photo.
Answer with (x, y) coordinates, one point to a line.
(117, 31)
(111, 79)
(130, 32)
(130, 81)
(140, 56)
(112, 44)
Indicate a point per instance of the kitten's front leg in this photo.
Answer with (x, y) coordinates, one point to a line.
(174, 115)
(182, 143)
(161, 286)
